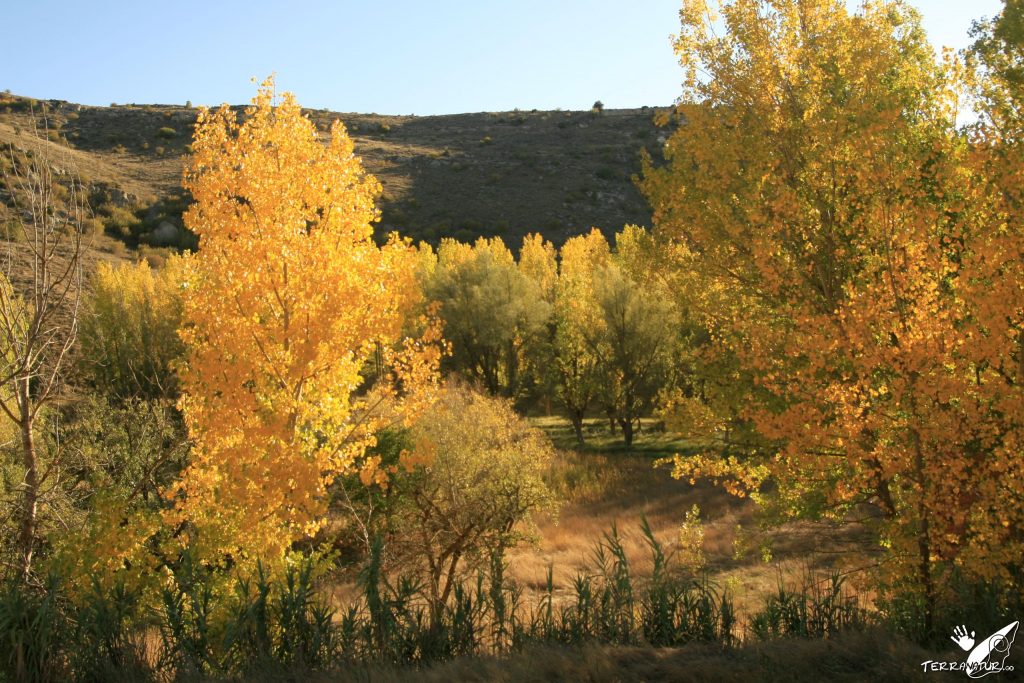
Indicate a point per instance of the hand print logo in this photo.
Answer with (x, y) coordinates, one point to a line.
(960, 637)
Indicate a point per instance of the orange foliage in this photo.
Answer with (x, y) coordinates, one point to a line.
(288, 298)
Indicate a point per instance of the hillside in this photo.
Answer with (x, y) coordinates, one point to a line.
(507, 174)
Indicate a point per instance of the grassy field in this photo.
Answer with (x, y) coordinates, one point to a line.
(605, 484)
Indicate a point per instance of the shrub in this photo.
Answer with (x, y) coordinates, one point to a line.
(14, 230)
(167, 133)
(119, 220)
(92, 228)
(129, 332)
(469, 480)
(33, 629)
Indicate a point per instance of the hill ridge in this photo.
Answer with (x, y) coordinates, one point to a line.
(449, 175)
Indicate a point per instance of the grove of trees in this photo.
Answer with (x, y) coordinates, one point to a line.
(827, 306)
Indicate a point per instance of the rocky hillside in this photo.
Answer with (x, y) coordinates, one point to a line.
(508, 173)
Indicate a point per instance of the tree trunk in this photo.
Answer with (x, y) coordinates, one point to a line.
(513, 371)
(927, 583)
(442, 593)
(924, 541)
(611, 420)
(627, 430)
(576, 417)
(30, 498)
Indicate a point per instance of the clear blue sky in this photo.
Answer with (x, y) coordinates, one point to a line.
(396, 57)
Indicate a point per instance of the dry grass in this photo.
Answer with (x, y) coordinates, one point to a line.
(870, 656)
(131, 174)
(606, 485)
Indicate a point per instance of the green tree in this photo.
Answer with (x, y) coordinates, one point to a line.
(636, 331)
(491, 311)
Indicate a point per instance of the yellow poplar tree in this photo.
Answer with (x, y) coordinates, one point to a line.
(287, 299)
(576, 363)
(817, 193)
(538, 261)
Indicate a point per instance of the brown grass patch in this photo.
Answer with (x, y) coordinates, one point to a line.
(607, 485)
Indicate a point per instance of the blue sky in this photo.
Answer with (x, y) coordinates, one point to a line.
(397, 57)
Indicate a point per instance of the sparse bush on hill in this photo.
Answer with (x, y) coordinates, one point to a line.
(120, 221)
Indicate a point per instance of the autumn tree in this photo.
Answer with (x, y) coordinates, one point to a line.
(576, 363)
(538, 262)
(288, 298)
(475, 480)
(815, 203)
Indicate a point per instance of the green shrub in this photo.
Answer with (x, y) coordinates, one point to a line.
(109, 643)
(93, 228)
(166, 133)
(119, 220)
(14, 230)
